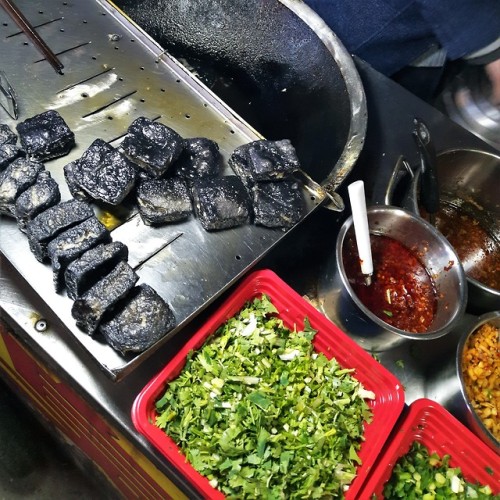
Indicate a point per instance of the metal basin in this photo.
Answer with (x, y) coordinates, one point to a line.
(469, 180)
(277, 64)
(446, 384)
(342, 305)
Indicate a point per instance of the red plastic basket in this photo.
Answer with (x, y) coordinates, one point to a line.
(433, 426)
(329, 340)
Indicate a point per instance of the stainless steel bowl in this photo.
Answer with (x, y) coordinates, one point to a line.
(467, 101)
(436, 254)
(470, 177)
(446, 384)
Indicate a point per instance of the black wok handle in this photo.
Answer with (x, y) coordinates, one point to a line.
(429, 186)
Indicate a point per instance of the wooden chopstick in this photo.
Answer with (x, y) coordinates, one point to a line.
(30, 32)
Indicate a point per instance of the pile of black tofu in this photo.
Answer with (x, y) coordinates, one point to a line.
(170, 177)
(167, 177)
(85, 261)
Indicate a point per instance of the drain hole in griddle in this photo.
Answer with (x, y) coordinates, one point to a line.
(238, 257)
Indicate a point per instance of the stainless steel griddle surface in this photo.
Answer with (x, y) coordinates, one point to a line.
(113, 73)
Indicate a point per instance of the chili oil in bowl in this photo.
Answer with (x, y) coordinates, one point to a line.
(418, 289)
(469, 218)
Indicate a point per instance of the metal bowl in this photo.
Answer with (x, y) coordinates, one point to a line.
(467, 101)
(446, 384)
(436, 255)
(470, 179)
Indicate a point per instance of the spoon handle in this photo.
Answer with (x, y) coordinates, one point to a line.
(358, 206)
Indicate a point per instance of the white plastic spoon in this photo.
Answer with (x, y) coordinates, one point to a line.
(358, 206)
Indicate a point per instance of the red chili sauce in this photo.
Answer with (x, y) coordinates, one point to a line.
(402, 293)
(477, 250)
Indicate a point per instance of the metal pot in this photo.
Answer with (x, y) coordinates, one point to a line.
(446, 384)
(343, 306)
(278, 65)
(472, 177)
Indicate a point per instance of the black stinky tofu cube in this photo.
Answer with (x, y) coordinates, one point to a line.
(45, 136)
(72, 175)
(89, 309)
(102, 173)
(152, 145)
(8, 153)
(53, 221)
(264, 160)
(6, 135)
(138, 324)
(37, 198)
(72, 243)
(91, 266)
(163, 200)
(16, 178)
(199, 158)
(277, 204)
(221, 202)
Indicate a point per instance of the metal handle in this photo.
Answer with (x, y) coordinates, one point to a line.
(429, 187)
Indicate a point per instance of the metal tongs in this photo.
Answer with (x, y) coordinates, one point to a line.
(8, 99)
(429, 187)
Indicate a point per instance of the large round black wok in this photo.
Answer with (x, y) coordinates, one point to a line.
(277, 64)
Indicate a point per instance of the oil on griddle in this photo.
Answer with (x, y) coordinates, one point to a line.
(168, 177)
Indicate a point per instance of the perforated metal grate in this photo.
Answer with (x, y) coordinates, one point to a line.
(113, 73)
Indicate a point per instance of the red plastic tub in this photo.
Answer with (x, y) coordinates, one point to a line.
(329, 340)
(433, 426)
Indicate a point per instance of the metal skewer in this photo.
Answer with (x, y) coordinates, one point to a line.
(30, 32)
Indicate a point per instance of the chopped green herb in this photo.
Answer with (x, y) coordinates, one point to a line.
(400, 363)
(261, 414)
(387, 313)
(420, 475)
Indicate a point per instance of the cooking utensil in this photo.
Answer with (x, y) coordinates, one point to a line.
(339, 301)
(429, 186)
(262, 67)
(31, 33)
(360, 219)
(10, 105)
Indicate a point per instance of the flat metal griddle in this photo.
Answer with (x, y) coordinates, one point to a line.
(113, 73)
